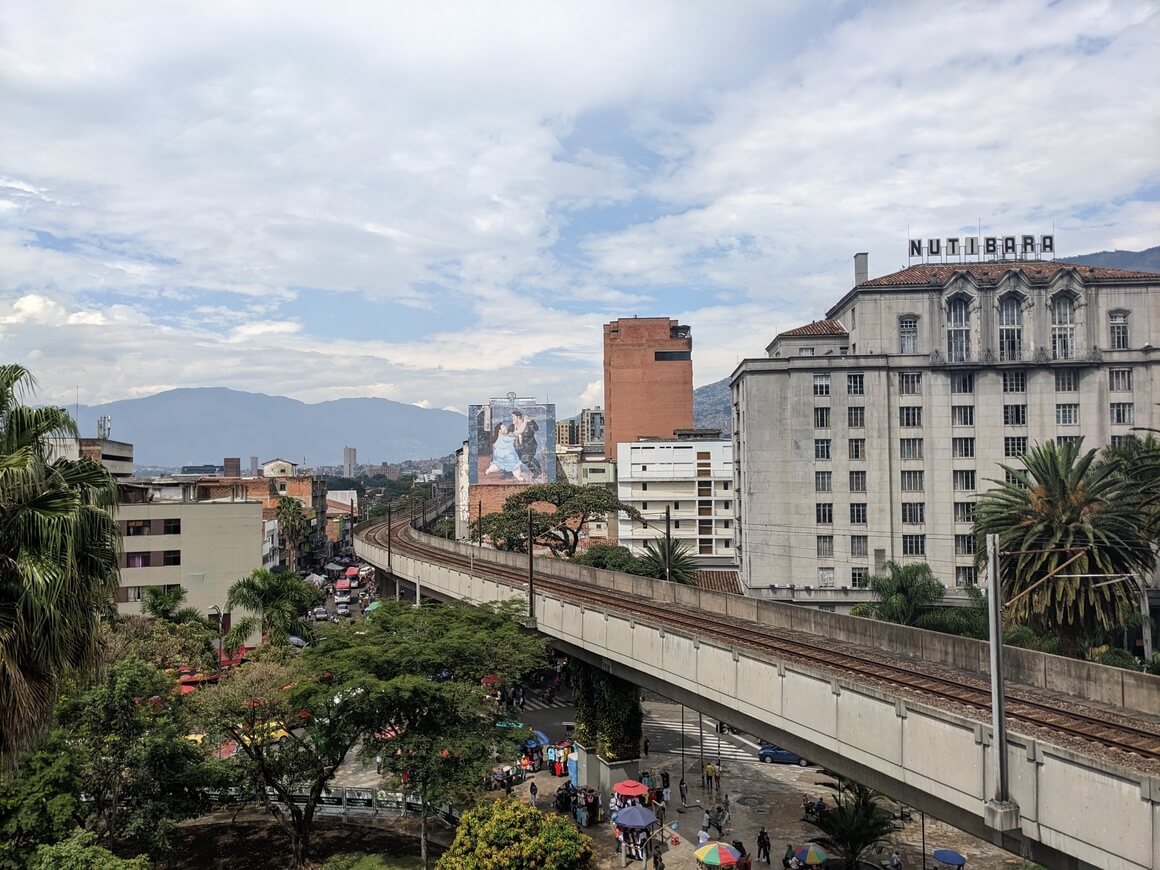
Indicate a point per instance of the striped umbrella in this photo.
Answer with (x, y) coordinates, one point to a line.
(717, 855)
(811, 853)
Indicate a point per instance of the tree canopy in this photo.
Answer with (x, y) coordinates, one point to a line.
(510, 835)
(281, 601)
(857, 824)
(560, 513)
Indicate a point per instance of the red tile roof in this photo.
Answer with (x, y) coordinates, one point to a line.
(718, 581)
(818, 327)
(1036, 271)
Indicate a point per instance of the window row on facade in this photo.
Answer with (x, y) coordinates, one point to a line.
(965, 575)
(910, 383)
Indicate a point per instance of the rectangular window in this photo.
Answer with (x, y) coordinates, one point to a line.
(1067, 415)
(821, 448)
(856, 384)
(826, 546)
(914, 545)
(1016, 478)
(1119, 331)
(913, 512)
(824, 513)
(173, 527)
(857, 481)
(962, 415)
(910, 448)
(964, 511)
(1120, 380)
(1061, 440)
(805, 351)
(910, 383)
(1066, 381)
(1014, 447)
(672, 355)
(964, 480)
(908, 335)
(910, 416)
(821, 385)
(963, 448)
(171, 557)
(1014, 382)
(965, 575)
(912, 481)
(858, 513)
(135, 528)
(133, 593)
(1014, 415)
(859, 577)
(857, 448)
(963, 383)
(823, 481)
(856, 417)
(821, 418)
(964, 545)
(859, 545)
(1123, 413)
(825, 577)
(1120, 440)
(137, 560)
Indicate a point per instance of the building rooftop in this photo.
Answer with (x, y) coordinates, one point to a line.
(718, 581)
(818, 327)
(1035, 271)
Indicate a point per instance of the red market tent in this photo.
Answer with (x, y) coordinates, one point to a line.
(352, 572)
(342, 584)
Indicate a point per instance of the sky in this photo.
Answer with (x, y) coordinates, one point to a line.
(441, 202)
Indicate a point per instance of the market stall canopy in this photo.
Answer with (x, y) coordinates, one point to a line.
(342, 584)
(630, 788)
(717, 855)
(352, 572)
(636, 817)
(812, 854)
(539, 738)
(949, 857)
(316, 580)
(372, 607)
(333, 566)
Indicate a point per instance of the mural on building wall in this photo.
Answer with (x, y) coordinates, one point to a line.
(511, 440)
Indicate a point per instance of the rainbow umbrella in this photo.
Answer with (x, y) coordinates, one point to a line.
(717, 855)
(811, 854)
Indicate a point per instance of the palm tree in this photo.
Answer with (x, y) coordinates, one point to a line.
(281, 602)
(1063, 516)
(291, 526)
(857, 823)
(668, 559)
(166, 604)
(904, 594)
(59, 551)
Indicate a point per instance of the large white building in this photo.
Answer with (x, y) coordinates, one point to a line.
(690, 476)
(865, 437)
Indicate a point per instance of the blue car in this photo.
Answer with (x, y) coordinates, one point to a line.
(771, 754)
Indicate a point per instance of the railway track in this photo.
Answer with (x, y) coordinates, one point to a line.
(1112, 731)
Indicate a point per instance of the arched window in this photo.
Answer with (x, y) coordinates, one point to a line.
(1062, 327)
(1118, 330)
(908, 334)
(1010, 329)
(959, 329)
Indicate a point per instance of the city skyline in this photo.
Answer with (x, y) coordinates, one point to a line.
(431, 207)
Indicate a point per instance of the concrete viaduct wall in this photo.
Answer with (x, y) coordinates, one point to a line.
(1075, 810)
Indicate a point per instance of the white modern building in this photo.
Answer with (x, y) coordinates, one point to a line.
(865, 437)
(692, 477)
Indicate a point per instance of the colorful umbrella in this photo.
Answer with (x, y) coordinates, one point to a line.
(717, 855)
(811, 853)
(949, 857)
(635, 817)
(630, 788)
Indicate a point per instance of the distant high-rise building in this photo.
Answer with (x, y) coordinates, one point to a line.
(255, 467)
(648, 380)
(349, 461)
(592, 426)
(232, 466)
(567, 434)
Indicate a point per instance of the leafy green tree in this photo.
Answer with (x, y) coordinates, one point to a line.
(292, 527)
(81, 852)
(1063, 516)
(610, 557)
(572, 507)
(59, 552)
(163, 644)
(510, 835)
(668, 559)
(39, 802)
(281, 601)
(857, 824)
(166, 604)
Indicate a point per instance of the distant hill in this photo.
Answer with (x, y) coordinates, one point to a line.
(712, 407)
(196, 426)
(1141, 261)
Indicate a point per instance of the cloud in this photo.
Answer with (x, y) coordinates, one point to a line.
(201, 198)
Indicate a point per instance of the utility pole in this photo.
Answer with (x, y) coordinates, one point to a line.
(531, 572)
(479, 522)
(668, 544)
(390, 535)
(701, 743)
(1000, 813)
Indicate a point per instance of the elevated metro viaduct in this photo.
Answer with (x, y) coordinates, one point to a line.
(1075, 809)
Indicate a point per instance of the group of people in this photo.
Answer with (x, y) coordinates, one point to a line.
(716, 817)
(711, 776)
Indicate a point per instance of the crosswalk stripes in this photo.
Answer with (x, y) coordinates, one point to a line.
(729, 751)
(539, 704)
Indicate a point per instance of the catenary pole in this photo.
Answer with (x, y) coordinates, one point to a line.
(998, 712)
(668, 544)
(531, 571)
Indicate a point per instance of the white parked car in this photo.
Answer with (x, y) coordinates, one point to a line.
(343, 610)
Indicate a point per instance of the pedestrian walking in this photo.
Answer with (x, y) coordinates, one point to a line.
(725, 804)
(763, 844)
(684, 792)
(646, 744)
(895, 860)
(708, 775)
(717, 776)
(717, 821)
(788, 856)
(705, 820)
(533, 790)
(378, 764)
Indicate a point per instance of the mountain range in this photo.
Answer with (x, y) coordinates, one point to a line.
(204, 425)
(711, 403)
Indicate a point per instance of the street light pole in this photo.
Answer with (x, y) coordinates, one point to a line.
(531, 572)
(1000, 813)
